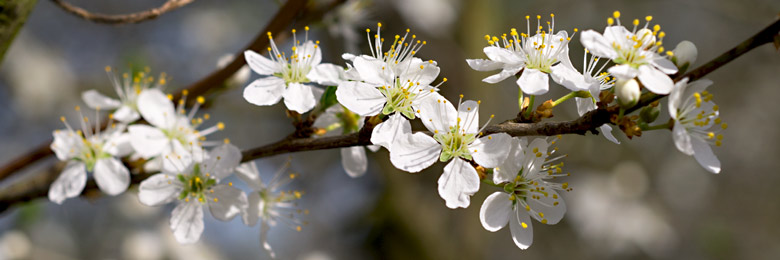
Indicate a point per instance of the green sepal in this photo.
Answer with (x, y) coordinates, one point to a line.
(328, 98)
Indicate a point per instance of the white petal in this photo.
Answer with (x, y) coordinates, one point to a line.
(260, 64)
(597, 44)
(158, 189)
(459, 181)
(126, 114)
(546, 205)
(502, 55)
(265, 91)
(495, 211)
(414, 152)
(95, 100)
(491, 150)
(584, 105)
(676, 96)
(704, 155)
(568, 77)
(606, 130)
(654, 80)
(624, 72)
(66, 144)
(617, 34)
(468, 112)
(251, 213)
(156, 108)
(436, 112)
(249, 174)
(111, 176)
(310, 52)
(484, 65)
(373, 148)
(222, 161)
(411, 71)
(326, 74)
(177, 159)
(226, 202)
(70, 183)
(372, 70)
(354, 161)
(385, 133)
(507, 171)
(523, 235)
(118, 145)
(504, 74)
(361, 98)
(187, 222)
(534, 82)
(299, 98)
(682, 139)
(664, 65)
(147, 141)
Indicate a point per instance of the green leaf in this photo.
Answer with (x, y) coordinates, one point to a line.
(328, 98)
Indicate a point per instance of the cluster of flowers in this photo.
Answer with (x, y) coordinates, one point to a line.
(388, 88)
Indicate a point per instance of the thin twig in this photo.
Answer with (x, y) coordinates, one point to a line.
(588, 122)
(138, 17)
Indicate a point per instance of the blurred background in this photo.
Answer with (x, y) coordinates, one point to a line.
(639, 200)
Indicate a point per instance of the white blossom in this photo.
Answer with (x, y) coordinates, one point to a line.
(457, 139)
(528, 192)
(595, 80)
(635, 52)
(696, 122)
(87, 151)
(540, 56)
(127, 89)
(339, 119)
(193, 181)
(684, 54)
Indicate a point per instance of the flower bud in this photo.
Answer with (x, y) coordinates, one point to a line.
(627, 92)
(649, 114)
(684, 54)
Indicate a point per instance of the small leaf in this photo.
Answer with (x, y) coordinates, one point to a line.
(328, 98)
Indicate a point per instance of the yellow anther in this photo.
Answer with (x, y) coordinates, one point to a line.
(220, 126)
(215, 200)
(185, 92)
(724, 126)
(538, 17)
(108, 68)
(297, 194)
(62, 118)
(648, 18)
(669, 53)
(565, 185)
(544, 221)
(710, 135)
(523, 224)
(201, 100)
(170, 97)
(661, 34)
(378, 24)
(636, 22)
(616, 14)
(656, 28)
(368, 30)
(230, 184)
(292, 176)
(226, 140)
(298, 228)
(610, 21)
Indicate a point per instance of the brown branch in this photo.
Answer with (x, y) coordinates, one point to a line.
(588, 122)
(138, 17)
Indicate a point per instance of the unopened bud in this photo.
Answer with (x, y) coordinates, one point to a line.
(649, 114)
(627, 92)
(684, 54)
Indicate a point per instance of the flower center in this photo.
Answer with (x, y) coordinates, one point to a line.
(91, 153)
(454, 144)
(196, 184)
(399, 99)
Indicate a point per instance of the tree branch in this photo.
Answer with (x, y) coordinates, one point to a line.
(588, 122)
(138, 17)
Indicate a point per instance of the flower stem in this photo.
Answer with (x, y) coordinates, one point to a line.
(530, 106)
(581, 94)
(490, 182)
(520, 99)
(657, 127)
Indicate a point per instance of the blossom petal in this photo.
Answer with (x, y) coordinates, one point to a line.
(502, 55)
(265, 91)
(483, 65)
(95, 100)
(385, 133)
(251, 213)
(299, 98)
(676, 97)
(249, 174)
(625, 72)
(495, 211)
(534, 82)
(606, 130)
(468, 113)
(158, 189)
(226, 202)
(504, 74)
(118, 145)
(354, 161)
(459, 181)
(437, 113)
(654, 80)
(704, 155)
(126, 114)
(147, 141)
(222, 161)
(521, 228)
(156, 108)
(187, 222)
(491, 151)
(597, 44)
(547, 205)
(418, 71)
(682, 139)
(70, 183)
(326, 74)
(664, 65)
(361, 98)
(414, 152)
(66, 145)
(568, 77)
(507, 171)
(260, 64)
(372, 70)
(310, 53)
(111, 176)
